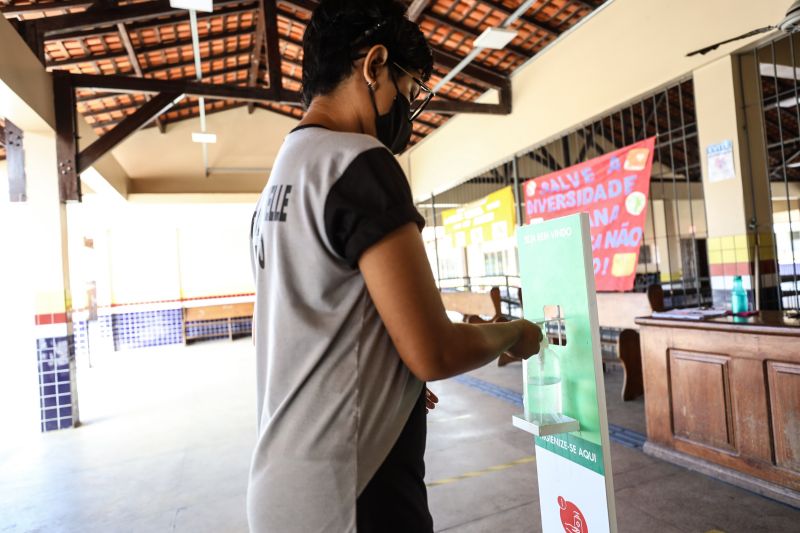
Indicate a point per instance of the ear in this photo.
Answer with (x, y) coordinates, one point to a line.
(377, 57)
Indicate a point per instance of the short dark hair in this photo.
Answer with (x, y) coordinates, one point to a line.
(339, 29)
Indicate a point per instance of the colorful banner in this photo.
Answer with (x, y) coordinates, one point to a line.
(613, 190)
(491, 218)
(576, 490)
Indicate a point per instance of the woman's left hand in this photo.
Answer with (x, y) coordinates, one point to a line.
(430, 400)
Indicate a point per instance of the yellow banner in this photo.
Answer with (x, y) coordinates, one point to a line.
(488, 219)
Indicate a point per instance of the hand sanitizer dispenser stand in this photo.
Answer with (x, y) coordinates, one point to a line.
(564, 394)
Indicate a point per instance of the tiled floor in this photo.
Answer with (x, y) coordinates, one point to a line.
(168, 434)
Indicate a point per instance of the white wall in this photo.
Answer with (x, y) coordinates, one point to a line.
(160, 251)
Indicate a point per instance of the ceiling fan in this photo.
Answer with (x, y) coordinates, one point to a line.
(789, 24)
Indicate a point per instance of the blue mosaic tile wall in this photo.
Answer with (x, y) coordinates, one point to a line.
(154, 328)
(215, 329)
(106, 323)
(147, 328)
(207, 328)
(58, 398)
(243, 326)
(80, 329)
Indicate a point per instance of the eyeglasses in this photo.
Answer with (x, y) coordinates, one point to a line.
(420, 98)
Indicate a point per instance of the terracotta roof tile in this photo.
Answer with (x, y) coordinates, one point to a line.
(164, 50)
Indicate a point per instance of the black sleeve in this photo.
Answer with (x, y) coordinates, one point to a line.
(371, 199)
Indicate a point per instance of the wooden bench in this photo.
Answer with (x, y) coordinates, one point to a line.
(232, 313)
(474, 306)
(619, 310)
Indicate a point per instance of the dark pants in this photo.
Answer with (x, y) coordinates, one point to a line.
(395, 499)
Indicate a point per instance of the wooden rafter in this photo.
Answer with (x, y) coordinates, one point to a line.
(134, 59)
(417, 8)
(124, 129)
(270, 10)
(121, 54)
(306, 5)
(260, 55)
(175, 17)
(64, 24)
(471, 32)
(539, 25)
(585, 3)
(213, 73)
(477, 72)
(188, 87)
(69, 185)
(125, 108)
(11, 10)
(302, 4)
(103, 95)
(255, 57)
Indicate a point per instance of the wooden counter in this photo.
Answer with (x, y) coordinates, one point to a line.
(723, 396)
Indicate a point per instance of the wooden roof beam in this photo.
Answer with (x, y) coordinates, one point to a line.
(186, 63)
(543, 26)
(52, 26)
(191, 88)
(270, 10)
(156, 47)
(417, 8)
(123, 107)
(472, 32)
(259, 105)
(442, 58)
(11, 10)
(306, 5)
(585, 3)
(193, 108)
(124, 129)
(177, 17)
(255, 56)
(451, 107)
(134, 59)
(69, 185)
(472, 70)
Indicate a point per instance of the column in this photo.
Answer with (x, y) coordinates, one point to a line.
(53, 331)
(737, 204)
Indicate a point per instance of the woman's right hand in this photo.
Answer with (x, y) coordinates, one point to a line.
(529, 341)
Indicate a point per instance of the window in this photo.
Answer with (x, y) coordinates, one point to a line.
(495, 263)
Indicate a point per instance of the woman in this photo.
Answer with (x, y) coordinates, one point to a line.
(349, 324)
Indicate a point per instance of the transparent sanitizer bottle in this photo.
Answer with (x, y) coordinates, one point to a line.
(543, 386)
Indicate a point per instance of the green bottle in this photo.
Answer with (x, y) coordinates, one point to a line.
(738, 297)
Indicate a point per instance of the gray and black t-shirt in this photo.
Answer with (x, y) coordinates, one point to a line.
(333, 393)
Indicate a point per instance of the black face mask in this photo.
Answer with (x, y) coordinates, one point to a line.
(393, 129)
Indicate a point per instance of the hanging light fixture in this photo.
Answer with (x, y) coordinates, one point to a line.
(206, 6)
(202, 137)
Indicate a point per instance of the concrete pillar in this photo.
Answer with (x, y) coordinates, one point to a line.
(55, 342)
(36, 269)
(738, 213)
(38, 374)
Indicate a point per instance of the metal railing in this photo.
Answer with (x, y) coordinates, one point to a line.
(777, 65)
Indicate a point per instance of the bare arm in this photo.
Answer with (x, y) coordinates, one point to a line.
(399, 279)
